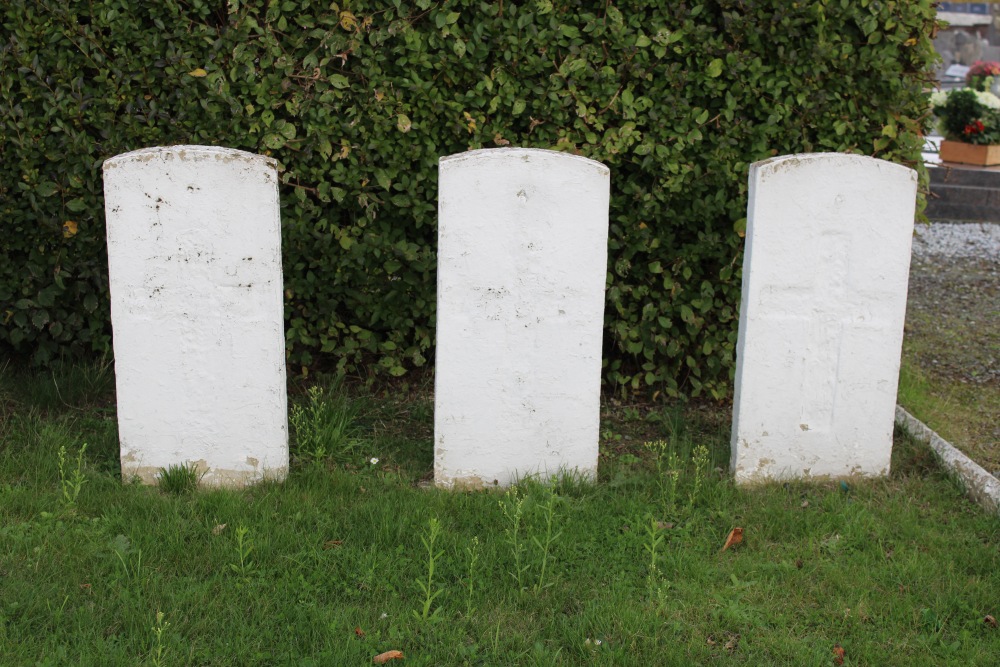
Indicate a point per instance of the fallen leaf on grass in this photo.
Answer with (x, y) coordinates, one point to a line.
(332, 544)
(990, 621)
(838, 654)
(733, 643)
(735, 537)
(383, 658)
(805, 504)
(218, 529)
(87, 588)
(359, 632)
(664, 525)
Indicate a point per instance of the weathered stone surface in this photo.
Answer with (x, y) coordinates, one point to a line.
(194, 253)
(821, 318)
(522, 257)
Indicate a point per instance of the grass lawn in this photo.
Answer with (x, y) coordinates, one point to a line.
(964, 414)
(949, 377)
(348, 559)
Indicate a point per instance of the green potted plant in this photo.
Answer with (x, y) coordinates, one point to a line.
(969, 120)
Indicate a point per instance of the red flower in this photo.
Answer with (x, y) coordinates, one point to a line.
(975, 127)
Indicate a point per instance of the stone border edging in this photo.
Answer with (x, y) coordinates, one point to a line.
(980, 485)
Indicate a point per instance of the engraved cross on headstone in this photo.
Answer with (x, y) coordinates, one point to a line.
(821, 320)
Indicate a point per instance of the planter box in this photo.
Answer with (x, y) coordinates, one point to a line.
(956, 151)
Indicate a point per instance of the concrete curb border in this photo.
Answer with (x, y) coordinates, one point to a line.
(980, 485)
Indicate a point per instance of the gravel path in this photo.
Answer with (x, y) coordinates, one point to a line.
(946, 240)
(955, 285)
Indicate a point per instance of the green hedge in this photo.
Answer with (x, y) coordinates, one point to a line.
(358, 101)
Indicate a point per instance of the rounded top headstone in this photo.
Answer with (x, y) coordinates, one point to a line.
(190, 153)
(776, 165)
(525, 154)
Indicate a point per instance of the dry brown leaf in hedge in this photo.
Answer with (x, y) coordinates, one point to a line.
(348, 21)
(383, 658)
(735, 537)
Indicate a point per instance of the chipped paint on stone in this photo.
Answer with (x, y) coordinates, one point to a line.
(194, 256)
(522, 258)
(208, 477)
(821, 316)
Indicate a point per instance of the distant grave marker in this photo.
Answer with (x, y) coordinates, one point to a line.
(821, 320)
(522, 261)
(194, 254)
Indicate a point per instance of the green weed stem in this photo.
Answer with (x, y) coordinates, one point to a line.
(427, 588)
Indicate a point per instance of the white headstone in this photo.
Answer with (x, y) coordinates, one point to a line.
(194, 255)
(522, 261)
(821, 319)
